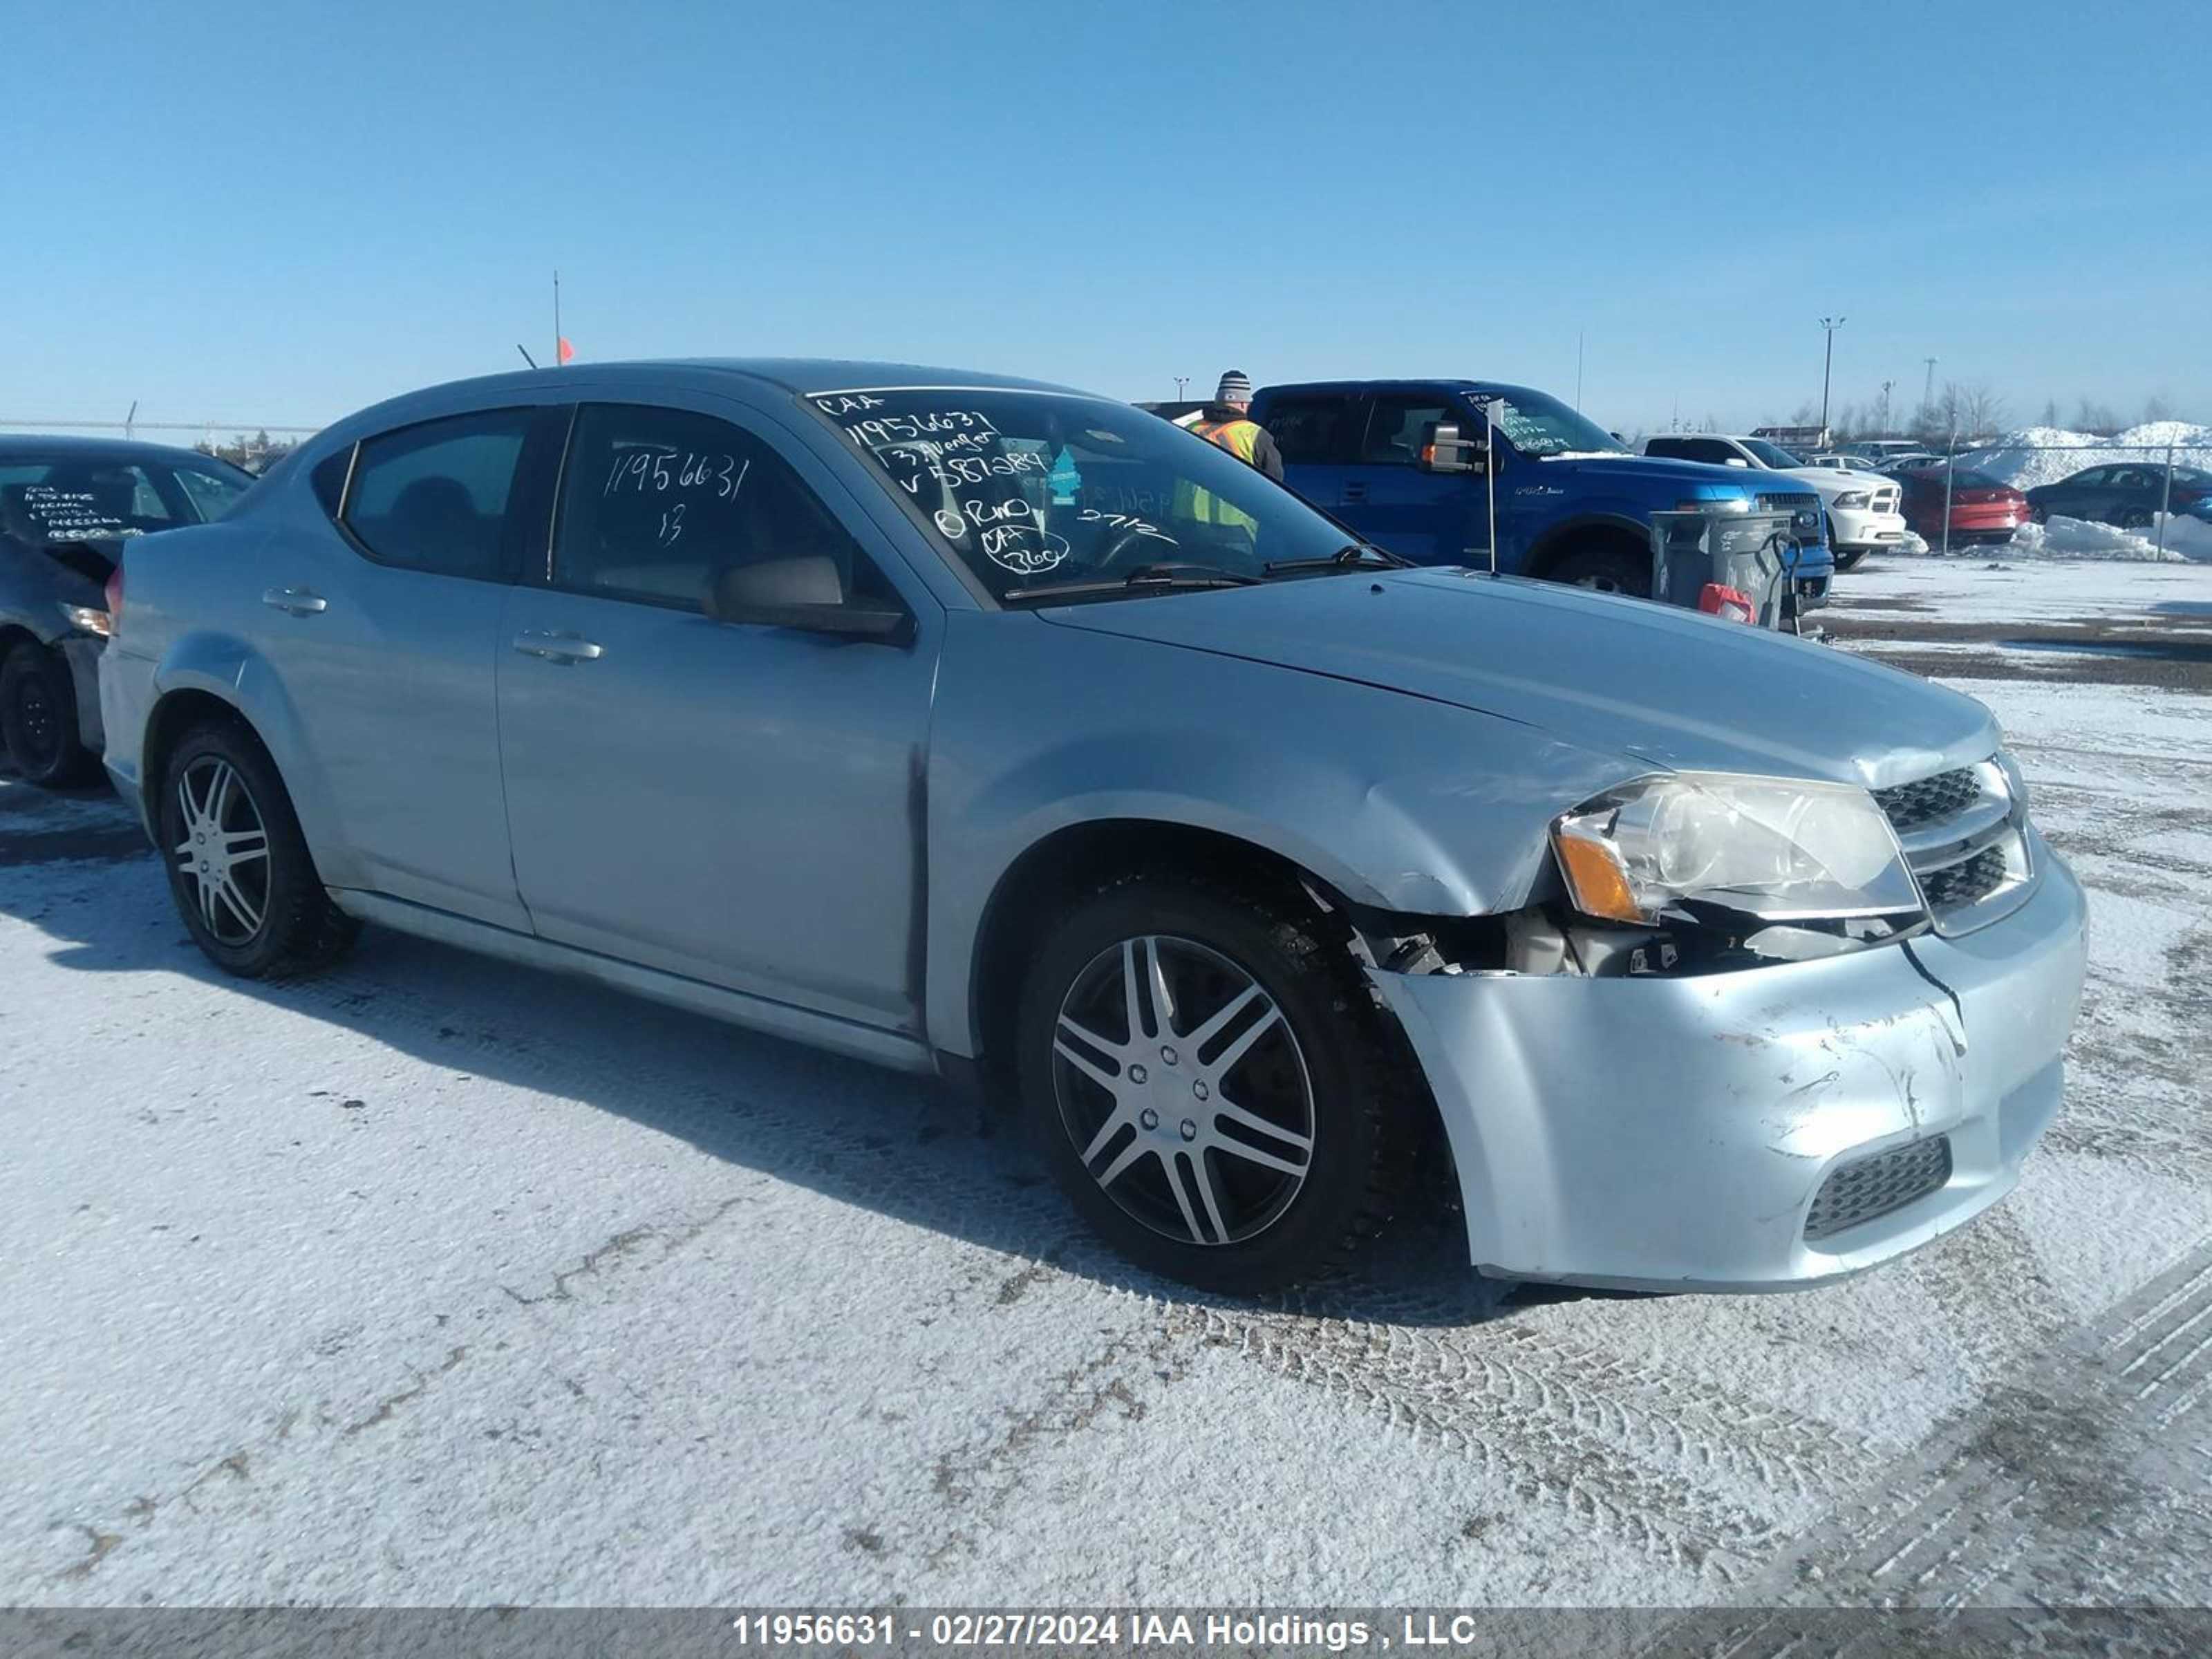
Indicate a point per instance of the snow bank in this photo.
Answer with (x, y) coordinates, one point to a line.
(2044, 454)
(2077, 539)
(2189, 537)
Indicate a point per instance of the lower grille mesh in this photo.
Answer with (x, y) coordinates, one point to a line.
(1875, 1186)
(1966, 883)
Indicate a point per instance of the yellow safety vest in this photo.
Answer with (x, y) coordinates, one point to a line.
(1241, 437)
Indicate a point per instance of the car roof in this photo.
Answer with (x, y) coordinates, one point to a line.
(1411, 383)
(35, 446)
(798, 376)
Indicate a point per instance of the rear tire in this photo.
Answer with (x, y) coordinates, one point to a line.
(39, 718)
(1609, 569)
(238, 867)
(1131, 1103)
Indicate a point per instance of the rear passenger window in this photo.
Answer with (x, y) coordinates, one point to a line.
(1313, 431)
(434, 497)
(659, 505)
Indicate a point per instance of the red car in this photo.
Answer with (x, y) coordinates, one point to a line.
(1983, 509)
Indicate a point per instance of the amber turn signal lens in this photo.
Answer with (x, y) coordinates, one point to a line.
(1595, 881)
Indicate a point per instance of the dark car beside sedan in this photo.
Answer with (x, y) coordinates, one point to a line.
(67, 506)
(2129, 495)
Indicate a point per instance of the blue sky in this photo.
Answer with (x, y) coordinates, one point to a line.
(285, 215)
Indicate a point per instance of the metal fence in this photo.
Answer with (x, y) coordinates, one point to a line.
(2163, 459)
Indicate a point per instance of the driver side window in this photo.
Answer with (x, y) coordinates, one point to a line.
(1398, 426)
(657, 506)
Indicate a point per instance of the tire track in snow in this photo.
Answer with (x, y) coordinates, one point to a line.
(2063, 1481)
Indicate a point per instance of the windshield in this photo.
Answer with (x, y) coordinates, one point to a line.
(1538, 425)
(1770, 455)
(1031, 489)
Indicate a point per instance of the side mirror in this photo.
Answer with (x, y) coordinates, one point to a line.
(1738, 460)
(1447, 451)
(802, 593)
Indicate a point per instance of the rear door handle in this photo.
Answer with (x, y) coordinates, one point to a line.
(1355, 491)
(556, 648)
(296, 600)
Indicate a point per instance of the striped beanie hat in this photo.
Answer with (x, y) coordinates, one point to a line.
(1235, 388)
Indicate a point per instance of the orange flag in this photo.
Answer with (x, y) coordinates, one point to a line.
(567, 351)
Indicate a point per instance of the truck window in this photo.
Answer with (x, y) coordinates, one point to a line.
(1397, 427)
(1314, 430)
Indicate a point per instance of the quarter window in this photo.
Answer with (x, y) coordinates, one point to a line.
(434, 497)
(660, 505)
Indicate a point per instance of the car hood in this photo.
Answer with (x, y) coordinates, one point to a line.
(1658, 686)
(1642, 471)
(1831, 482)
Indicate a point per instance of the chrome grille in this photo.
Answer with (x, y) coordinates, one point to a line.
(1962, 833)
(1909, 806)
(1857, 1193)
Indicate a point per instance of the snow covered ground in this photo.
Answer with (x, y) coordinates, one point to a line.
(434, 1281)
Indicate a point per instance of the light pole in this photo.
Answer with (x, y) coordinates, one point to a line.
(1928, 392)
(1830, 325)
(1180, 380)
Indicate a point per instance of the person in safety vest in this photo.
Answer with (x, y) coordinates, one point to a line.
(1225, 422)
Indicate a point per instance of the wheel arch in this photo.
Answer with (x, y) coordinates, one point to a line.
(1585, 528)
(1072, 859)
(12, 634)
(1077, 858)
(215, 678)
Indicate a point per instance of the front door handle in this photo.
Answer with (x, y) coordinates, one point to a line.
(556, 648)
(298, 601)
(1355, 491)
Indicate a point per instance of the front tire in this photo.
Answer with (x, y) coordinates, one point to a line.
(39, 718)
(2133, 518)
(1211, 1082)
(1607, 569)
(238, 867)
(1850, 561)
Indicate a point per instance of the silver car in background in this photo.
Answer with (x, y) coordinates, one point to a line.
(983, 727)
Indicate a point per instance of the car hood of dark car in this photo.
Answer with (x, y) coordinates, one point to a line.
(1653, 682)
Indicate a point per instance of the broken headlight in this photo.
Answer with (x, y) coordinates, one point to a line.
(1772, 849)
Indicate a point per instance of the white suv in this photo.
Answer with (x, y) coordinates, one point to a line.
(1861, 506)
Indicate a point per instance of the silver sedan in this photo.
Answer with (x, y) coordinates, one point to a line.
(983, 727)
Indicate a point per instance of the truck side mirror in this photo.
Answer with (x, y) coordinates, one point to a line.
(1447, 451)
(1738, 460)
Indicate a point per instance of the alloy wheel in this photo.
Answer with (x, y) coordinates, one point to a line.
(223, 855)
(1183, 1087)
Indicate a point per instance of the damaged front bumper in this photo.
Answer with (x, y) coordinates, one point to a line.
(1674, 1132)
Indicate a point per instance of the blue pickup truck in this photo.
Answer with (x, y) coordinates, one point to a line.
(1573, 504)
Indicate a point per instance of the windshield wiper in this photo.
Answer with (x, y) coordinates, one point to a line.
(1155, 577)
(1353, 556)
